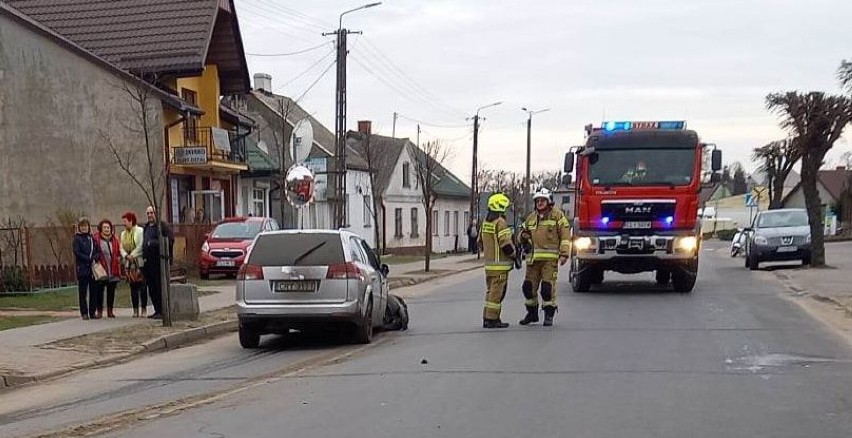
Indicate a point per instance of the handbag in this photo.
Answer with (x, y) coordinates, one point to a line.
(134, 274)
(99, 272)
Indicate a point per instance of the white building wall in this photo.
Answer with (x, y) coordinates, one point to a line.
(449, 233)
(397, 196)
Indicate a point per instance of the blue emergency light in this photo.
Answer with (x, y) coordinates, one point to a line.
(644, 126)
(605, 220)
(669, 220)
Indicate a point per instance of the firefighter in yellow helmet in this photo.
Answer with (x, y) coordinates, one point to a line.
(545, 233)
(495, 238)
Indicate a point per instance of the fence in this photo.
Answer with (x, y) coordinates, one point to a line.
(37, 258)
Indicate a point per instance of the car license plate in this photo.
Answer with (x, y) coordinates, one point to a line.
(637, 225)
(226, 263)
(295, 286)
(787, 249)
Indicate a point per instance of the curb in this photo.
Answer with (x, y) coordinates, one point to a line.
(409, 281)
(172, 340)
(800, 291)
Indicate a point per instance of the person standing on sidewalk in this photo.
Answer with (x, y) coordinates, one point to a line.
(151, 253)
(110, 260)
(546, 232)
(131, 255)
(472, 237)
(499, 254)
(85, 254)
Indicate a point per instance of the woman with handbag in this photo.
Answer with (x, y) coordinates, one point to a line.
(109, 265)
(85, 253)
(131, 255)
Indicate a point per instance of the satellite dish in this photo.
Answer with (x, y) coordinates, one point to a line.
(303, 138)
(299, 186)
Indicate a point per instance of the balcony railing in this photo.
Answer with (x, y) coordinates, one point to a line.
(206, 145)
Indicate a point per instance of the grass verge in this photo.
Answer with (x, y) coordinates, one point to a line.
(11, 322)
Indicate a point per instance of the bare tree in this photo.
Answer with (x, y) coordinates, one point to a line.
(816, 121)
(429, 171)
(777, 159)
(59, 233)
(545, 178)
(377, 160)
(844, 74)
(282, 134)
(145, 163)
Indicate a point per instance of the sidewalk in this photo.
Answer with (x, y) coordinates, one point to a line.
(27, 357)
(833, 284)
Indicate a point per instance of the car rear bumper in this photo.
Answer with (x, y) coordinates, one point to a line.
(269, 314)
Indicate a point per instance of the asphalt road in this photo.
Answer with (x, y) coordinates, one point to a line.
(733, 358)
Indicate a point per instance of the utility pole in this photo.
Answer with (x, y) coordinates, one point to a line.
(418, 136)
(339, 219)
(526, 193)
(474, 186)
(393, 133)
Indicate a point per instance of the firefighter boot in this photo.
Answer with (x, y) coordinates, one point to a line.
(494, 323)
(532, 315)
(548, 316)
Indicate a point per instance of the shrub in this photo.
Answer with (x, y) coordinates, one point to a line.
(727, 235)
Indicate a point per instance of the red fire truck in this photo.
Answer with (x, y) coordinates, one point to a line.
(636, 209)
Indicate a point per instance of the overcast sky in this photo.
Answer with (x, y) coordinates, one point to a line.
(710, 62)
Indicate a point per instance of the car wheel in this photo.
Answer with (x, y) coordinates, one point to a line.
(204, 276)
(753, 264)
(683, 282)
(364, 329)
(663, 277)
(597, 276)
(249, 338)
(806, 261)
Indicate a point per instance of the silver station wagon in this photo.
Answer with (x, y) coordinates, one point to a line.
(307, 279)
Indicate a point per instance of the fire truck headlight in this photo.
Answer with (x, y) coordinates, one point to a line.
(688, 243)
(583, 243)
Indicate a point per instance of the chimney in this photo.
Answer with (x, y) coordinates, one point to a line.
(263, 81)
(365, 126)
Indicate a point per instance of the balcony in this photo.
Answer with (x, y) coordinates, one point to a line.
(210, 148)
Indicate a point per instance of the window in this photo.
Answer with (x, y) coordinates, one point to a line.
(368, 209)
(435, 222)
(456, 223)
(258, 203)
(466, 220)
(415, 226)
(397, 227)
(372, 258)
(406, 175)
(446, 223)
(320, 249)
(191, 133)
(355, 251)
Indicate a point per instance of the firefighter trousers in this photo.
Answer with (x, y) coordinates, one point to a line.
(496, 282)
(542, 272)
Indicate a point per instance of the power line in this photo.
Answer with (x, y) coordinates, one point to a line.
(298, 52)
(434, 125)
(296, 15)
(316, 81)
(304, 72)
(264, 15)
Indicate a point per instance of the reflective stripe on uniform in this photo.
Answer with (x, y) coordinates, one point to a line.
(488, 228)
(498, 266)
(542, 255)
(494, 306)
(547, 223)
(531, 302)
(563, 222)
(505, 232)
(565, 242)
(548, 304)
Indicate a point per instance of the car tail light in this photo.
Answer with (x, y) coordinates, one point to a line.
(342, 271)
(250, 272)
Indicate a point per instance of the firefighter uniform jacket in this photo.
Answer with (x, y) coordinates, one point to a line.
(550, 235)
(493, 236)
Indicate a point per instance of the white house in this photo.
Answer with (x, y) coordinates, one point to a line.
(401, 211)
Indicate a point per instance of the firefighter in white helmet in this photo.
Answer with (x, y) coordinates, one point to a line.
(546, 235)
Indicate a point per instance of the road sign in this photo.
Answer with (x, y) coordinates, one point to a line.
(750, 201)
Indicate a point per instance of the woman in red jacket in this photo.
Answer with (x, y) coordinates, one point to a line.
(110, 259)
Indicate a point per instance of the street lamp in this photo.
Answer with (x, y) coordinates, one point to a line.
(340, 24)
(530, 113)
(474, 189)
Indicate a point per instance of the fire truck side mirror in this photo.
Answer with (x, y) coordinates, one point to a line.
(569, 162)
(716, 160)
(567, 179)
(715, 178)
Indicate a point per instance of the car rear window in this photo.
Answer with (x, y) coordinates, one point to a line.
(237, 230)
(297, 250)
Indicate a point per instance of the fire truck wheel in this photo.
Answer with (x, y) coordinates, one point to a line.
(683, 282)
(597, 276)
(663, 277)
(581, 281)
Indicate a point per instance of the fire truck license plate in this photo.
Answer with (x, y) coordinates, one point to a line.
(635, 225)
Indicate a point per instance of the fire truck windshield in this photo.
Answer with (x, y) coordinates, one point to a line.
(641, 167)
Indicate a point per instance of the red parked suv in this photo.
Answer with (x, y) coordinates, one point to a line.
(224, 250)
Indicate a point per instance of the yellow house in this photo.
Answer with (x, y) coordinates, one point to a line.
(191, 49)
